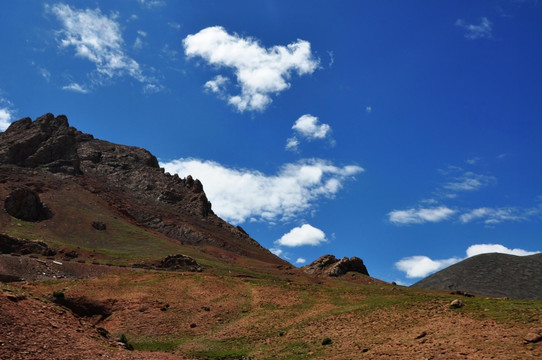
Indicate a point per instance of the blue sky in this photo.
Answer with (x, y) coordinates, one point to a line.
(405, 133)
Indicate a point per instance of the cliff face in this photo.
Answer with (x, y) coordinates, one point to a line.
(128, 178)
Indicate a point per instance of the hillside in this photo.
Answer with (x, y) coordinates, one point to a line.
(145, 212)
(99, 245)
(498, 275)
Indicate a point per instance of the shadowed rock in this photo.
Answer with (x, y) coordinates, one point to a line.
(25, 204)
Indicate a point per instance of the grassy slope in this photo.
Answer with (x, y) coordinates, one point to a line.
(270, 318)
(265, 316)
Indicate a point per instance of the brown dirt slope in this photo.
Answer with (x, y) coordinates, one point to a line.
(204, 316)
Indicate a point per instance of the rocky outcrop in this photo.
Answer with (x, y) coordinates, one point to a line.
(179, 262)
(331, 266)
(47, 142)
(25, 204)
(11, 245)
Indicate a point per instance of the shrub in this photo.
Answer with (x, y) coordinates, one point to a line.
(58, 294)
(326, 341)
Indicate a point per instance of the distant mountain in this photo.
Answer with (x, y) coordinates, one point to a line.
(109, 198)
(498, 275)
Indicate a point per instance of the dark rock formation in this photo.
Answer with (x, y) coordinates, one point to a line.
(47, 142)
(498, 275)
(85, 307)
(9, 245)
(98, 225)
(26, 205)
(330, 265)
(179, 263)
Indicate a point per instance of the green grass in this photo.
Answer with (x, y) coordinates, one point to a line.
(153, 344)
(224, 349)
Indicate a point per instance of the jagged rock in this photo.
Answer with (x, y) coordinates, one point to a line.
(179, 262)
(330, 265)
(47, 142)
(10, 245)
(532, 338)
(26, 205)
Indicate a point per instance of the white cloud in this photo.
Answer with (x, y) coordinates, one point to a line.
(492, 215)
(470, 181)
(368, 109)
(260, 72)
(150, 4)
(239, 195)
(97, 38)
(276, 251)
(292, 144)
(478, 249)
(300, 261)
(419, 216)
(217, 85)
(6, 113)
(76, 88)
(174, 25)
(483, 30)
(309, 127)
(331, 58)
(473, 160)
(421, 266)
(5, 118)
(46, 74)
(303, 235)
(139, 42)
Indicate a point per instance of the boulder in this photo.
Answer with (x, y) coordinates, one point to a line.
(179, 262)
(25, 204)
(330, 265)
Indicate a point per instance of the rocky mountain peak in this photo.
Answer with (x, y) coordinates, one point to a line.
(47, 142)
(129, 179)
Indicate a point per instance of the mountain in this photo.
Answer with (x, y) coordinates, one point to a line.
(107, 198)
(498, 275)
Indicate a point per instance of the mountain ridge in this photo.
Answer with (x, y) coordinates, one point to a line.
(47, 153)
(492, 274)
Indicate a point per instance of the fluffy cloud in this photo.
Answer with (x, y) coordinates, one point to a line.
(309, 127)
(5, 118)
(300, 261)
(217, 85)
(260, 72)
(6, 113)
(470, 181)
(483, 30)
(292, 144)
(419, 216)
(239, 195)
(478, 249)
(302, 235)
(421, 266)
(97, 38)
(492, 215)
